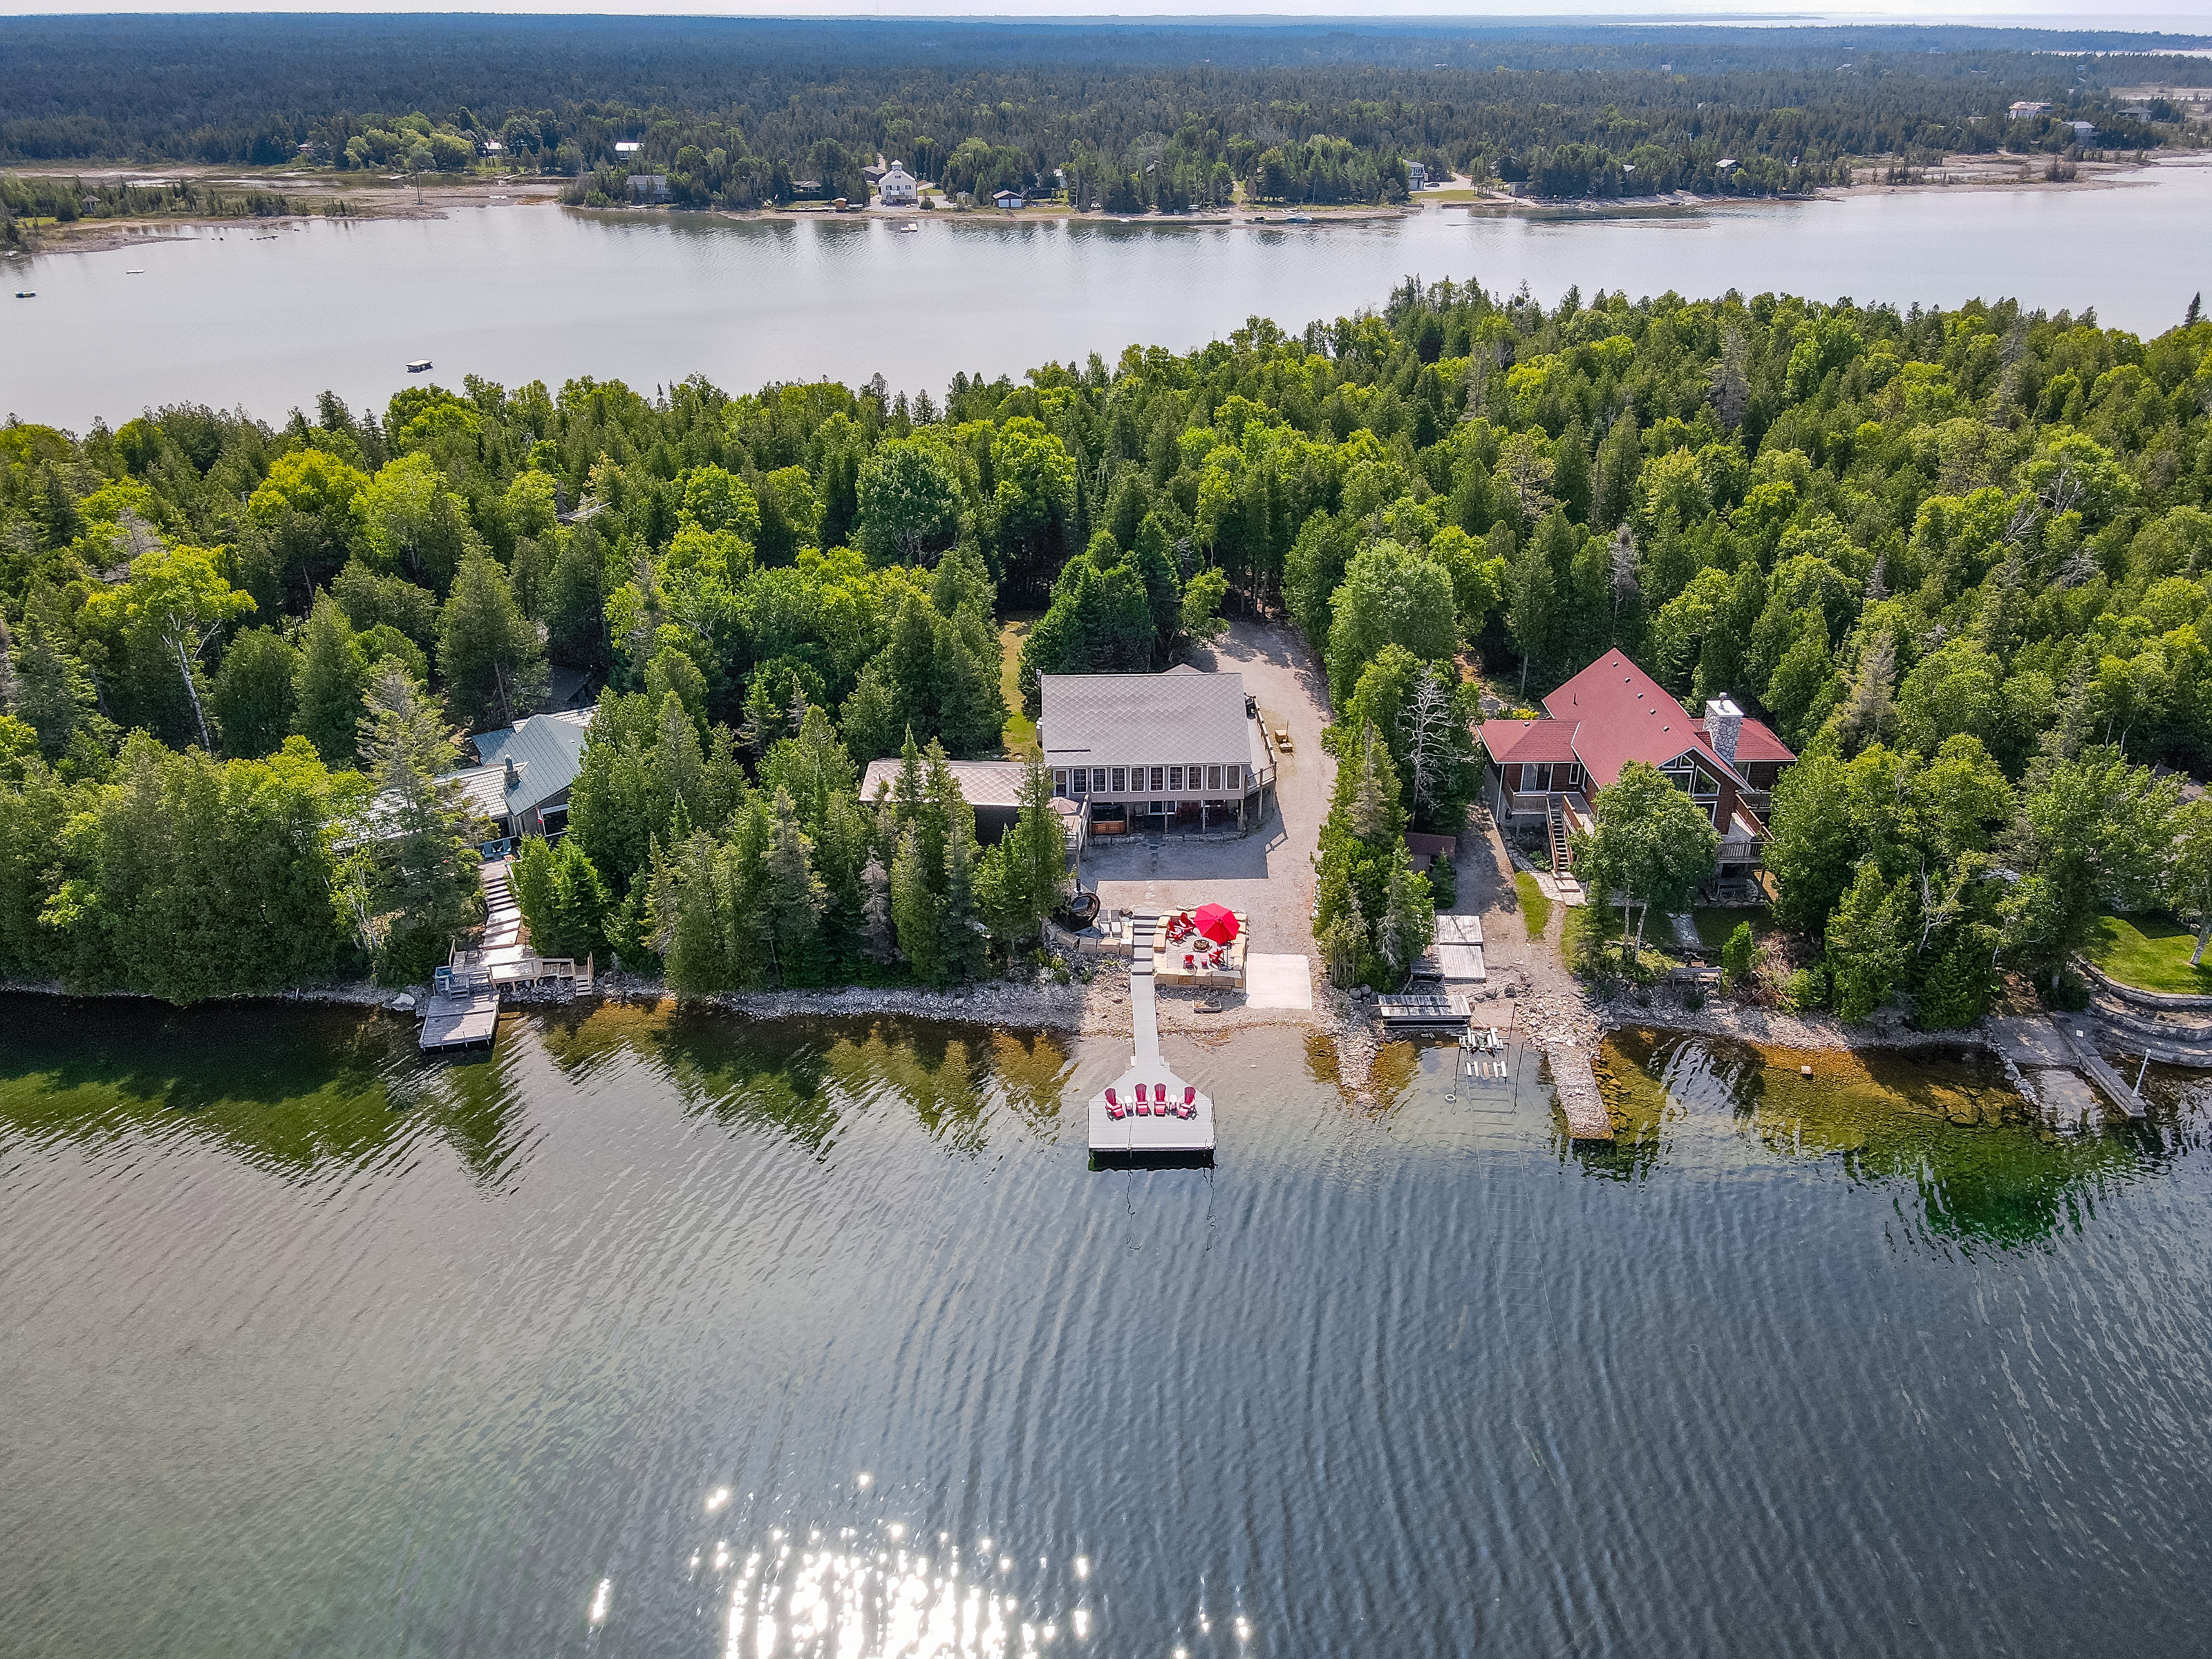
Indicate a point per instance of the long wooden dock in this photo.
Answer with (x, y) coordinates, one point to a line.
(1140, 1134)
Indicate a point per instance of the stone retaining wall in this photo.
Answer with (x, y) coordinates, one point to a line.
(2170, 1001)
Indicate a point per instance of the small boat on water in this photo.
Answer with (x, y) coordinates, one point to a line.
(1297, 218)
(27, 294)
(909, 229)
(420, 366)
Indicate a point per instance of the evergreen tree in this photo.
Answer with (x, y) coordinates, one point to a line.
(794, 898)
(879, 940)
(253, 691)
(488, 651)
(418, 866)
(331, 683)
(688, 916)
(54, 696)
(915, 909)
(962, 929)
(1867, 944)
(1570, 472)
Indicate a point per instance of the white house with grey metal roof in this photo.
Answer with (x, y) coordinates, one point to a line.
(1182, 749)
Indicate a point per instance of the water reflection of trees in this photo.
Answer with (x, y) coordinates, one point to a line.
(1983, 1168)
(295, 1089)
(303, 1089)
(807, 1078)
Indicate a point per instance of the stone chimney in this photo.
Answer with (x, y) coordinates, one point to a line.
(515, 777)
(1723, 725)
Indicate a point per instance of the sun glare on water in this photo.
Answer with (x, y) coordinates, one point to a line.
(862, 1592)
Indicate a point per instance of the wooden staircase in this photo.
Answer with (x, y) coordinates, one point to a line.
(1570, 890)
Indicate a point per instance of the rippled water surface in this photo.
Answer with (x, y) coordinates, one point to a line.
(661, 1334)
(242, 314)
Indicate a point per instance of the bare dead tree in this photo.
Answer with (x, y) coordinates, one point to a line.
(1424, 723)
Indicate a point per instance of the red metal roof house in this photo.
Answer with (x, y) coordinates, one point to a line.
(1541, 773)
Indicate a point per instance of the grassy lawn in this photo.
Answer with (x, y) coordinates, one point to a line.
(1535, 903)
(2151, 952)
(1020, 736)
(1591, 942)
(1715, 924)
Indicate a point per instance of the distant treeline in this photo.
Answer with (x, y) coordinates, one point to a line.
(739, 112)
(26, 200)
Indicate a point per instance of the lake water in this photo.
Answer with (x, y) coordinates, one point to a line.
(678, 1335)
(266, 318)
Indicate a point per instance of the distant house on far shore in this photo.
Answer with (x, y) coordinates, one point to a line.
(898, 187)
(1010, 199)
(2024, 110)
(648, 187)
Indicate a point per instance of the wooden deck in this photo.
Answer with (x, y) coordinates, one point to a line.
(1135, 1138)
(1167, 959)
(1415, 1012)
(461, 1020)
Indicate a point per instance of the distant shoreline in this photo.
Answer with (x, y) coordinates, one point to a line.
(378, 203)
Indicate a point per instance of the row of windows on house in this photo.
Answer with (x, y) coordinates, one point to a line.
(1075, 783)
(1540, 778)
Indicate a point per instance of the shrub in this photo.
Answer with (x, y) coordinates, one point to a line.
(1957, 990)
(2070, 994)
(1808, 989)
(1737, 955)
(1444, 882)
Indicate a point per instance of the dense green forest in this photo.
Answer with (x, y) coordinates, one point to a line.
(739, 113)
(1961, 559)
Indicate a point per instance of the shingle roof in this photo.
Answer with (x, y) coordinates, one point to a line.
(1101, 719)
(1757, 741)
(1613, 713)
(1624, 714)
(983, 783)
(1537, 742)
(548, 752)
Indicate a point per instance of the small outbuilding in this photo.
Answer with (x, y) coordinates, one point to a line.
(994, 788)
(1010, 199)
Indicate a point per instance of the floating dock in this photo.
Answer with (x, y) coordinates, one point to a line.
(1139, 1134)
(460, 1019)
(1419, 1010)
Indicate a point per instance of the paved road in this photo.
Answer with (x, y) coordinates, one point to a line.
(1268, 873)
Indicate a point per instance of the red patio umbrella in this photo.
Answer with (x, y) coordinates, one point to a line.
(1217, 923)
